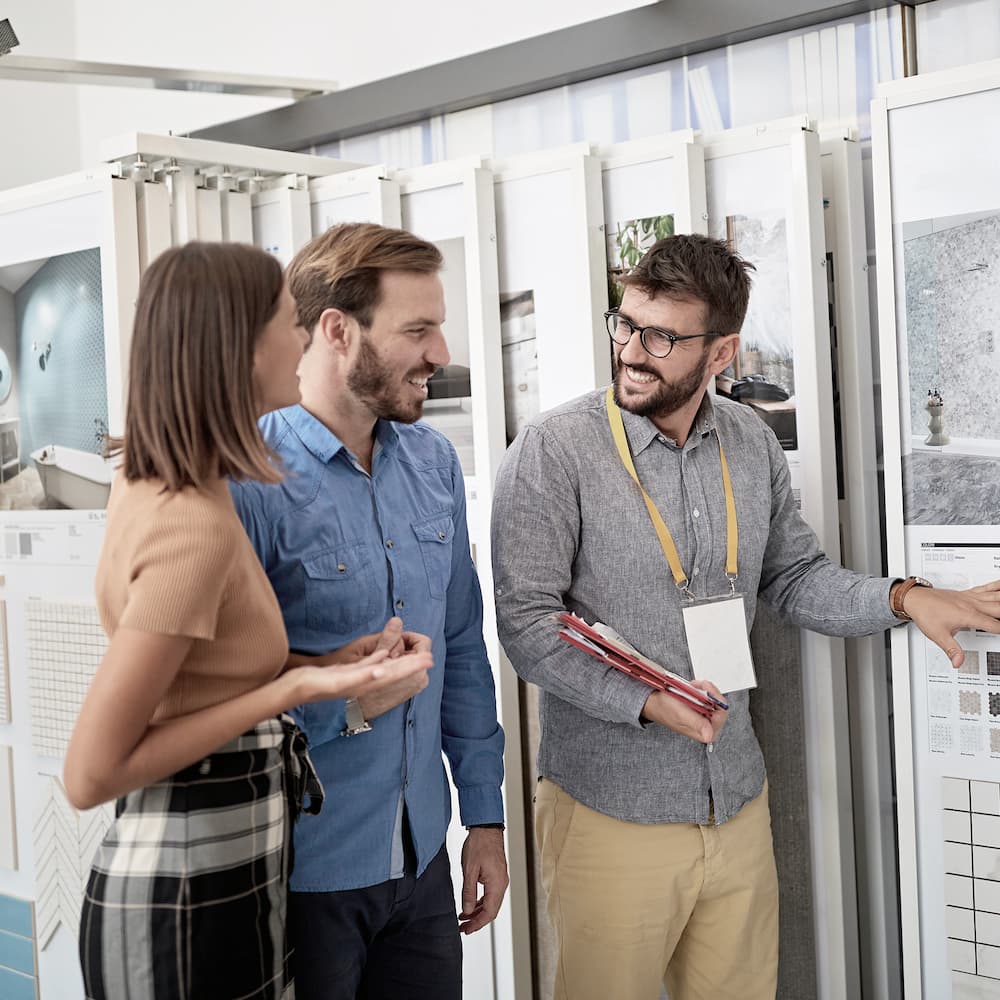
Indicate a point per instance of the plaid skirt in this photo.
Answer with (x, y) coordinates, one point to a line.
(186, 898)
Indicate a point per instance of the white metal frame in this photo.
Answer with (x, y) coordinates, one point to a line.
(465, 188)
(687, 197)
(363, 195)
(897, 96)
(823, 657)
(868, 694)
(65, 224)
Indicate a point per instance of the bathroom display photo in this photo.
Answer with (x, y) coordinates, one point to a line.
(448, 407)
(53, 385)
(520, 359)
(763, 375)
(951, 462)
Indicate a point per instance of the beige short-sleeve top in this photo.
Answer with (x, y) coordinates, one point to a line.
(181, 564)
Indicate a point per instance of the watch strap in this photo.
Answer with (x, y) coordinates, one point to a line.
(899, 592)
(355, 717)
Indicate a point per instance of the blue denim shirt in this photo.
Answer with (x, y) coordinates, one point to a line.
(344, 551)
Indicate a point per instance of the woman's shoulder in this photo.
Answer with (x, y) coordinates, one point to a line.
(198, 516)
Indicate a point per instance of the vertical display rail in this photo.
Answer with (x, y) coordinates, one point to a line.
(936, 231)
(153, 208)
(861, 533)
(365, 195)
(906, 831)
(451, 204)
(237, 215)
(764, 191)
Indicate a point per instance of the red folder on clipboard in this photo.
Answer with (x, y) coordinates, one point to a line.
(607, 645)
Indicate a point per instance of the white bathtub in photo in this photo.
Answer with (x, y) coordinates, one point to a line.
(77, 479)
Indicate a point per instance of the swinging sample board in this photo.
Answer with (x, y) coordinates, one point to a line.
(282, 224)
(451, 205)
(868, 688)
(364, 195)
(69, 270)
(938, 249)
(764, 195)
(47, 564)
(552, 290)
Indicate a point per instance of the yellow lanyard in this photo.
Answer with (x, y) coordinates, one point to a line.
(662, 531)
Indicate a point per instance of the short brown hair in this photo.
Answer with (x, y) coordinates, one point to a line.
(697, 267)
(342, 269)
(191, 415)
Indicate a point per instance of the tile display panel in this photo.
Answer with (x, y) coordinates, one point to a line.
(936, 236)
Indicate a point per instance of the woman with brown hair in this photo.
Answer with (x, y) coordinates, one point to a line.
(183, 721)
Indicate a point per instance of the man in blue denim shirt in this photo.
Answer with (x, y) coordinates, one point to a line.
(369, 523)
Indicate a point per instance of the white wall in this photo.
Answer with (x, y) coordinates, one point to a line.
(58, 128)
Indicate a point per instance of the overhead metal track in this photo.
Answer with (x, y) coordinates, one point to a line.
(629, 40)
(78, 71)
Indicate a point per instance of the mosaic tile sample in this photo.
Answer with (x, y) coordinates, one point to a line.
(65, 842)
(65, 646)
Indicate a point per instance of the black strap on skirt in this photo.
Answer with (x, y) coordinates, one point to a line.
(301, 779)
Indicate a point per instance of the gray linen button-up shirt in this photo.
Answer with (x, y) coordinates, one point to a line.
(571, 532)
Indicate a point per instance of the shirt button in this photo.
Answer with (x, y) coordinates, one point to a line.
(388, 543)
(695, 572)
(341, 568)
(697, 513)
(399, 604)
(441, 535)
(410, 724)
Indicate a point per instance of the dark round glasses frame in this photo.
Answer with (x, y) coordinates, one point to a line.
(662, 340)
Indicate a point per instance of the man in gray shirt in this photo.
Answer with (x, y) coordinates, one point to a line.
(652, 819)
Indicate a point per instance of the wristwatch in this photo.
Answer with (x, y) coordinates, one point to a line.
(899, 592)
(356, 721)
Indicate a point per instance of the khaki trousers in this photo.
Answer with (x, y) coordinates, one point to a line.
(634, 905)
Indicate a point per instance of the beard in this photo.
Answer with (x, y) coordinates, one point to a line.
(375, 384)
(667, 396)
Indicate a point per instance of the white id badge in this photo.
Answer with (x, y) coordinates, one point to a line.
(718, 643)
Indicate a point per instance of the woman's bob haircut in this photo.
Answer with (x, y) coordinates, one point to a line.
(191, 415)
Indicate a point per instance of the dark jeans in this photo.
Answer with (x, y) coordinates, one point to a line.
(397, 940)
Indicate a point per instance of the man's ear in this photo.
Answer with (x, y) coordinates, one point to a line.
(724, 352)
(336, 328)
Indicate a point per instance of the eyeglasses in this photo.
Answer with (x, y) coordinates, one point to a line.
(656, 342)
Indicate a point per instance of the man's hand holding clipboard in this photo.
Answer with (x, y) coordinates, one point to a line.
(695, 709)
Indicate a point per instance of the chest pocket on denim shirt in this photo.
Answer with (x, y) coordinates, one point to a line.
(339, 588)
(435, 536)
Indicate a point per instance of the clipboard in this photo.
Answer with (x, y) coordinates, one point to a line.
(605, 644)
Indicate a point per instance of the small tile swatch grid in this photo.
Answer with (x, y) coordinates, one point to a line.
(971, 821)
(65, 646)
